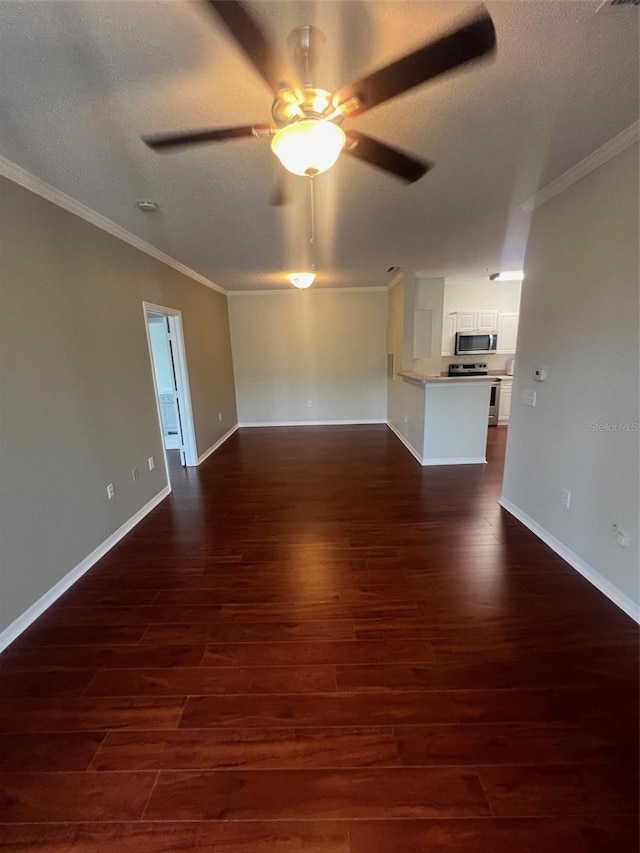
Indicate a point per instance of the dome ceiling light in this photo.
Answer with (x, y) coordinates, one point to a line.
(308, 147)
(302, 280)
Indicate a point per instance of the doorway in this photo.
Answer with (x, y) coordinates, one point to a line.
(171, 383)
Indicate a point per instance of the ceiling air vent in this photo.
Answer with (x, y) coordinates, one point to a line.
(608, 7)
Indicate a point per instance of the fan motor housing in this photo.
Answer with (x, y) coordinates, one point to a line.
(315, 103)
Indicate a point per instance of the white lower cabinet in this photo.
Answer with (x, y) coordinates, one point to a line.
(504, 408)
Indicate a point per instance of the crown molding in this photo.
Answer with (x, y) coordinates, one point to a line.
(293, 291)
(18, 175)
(610, 149)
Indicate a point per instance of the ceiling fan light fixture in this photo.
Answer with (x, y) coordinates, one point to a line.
(302, 280)
(308, 147)
(507, 275)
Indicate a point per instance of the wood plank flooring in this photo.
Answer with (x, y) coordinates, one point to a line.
(316, 646)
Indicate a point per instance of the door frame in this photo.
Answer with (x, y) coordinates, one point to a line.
(182, 381)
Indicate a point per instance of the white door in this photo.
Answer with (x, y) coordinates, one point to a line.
(171, 381)
(164, 369)
(176, 395)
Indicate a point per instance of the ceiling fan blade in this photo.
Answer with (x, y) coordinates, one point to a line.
(167, 141)
(384, 157)
(471, 41)
(248, 35)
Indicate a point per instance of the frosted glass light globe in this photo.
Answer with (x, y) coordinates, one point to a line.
(302, 280)
(308, 147)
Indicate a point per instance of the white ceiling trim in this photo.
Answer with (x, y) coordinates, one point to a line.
(295, 291)
(26, 179)
(610, 149)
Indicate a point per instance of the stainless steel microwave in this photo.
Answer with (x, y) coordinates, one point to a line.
(476, 343)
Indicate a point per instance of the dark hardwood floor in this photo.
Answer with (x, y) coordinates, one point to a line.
(316, 646)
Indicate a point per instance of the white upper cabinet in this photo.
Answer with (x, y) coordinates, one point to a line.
(487, 321)
(507, 332)
(466, 321)
(480, 321)
(476, 321)
(448, 336)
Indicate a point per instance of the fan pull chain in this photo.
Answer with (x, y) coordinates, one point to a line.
(312, 201)
(312, 238)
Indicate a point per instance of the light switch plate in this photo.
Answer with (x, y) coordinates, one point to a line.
(529, 398)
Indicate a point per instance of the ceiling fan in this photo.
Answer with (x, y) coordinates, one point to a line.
(306, 132)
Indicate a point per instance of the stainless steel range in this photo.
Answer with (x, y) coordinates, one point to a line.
(479, 368)
(476, 368)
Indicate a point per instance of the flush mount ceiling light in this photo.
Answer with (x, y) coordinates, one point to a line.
(508, 275)
(302, 280)
(308, 147)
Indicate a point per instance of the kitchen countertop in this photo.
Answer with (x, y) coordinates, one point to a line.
(425, 379)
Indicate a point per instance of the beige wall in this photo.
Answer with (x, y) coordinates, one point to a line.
(323, 346)
(77, 400)
(579, 319)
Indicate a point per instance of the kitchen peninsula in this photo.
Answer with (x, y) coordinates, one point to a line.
(445, 418)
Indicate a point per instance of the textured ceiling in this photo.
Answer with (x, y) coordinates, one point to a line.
(82, 81)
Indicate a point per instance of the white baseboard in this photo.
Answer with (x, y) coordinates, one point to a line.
(309, 423)
(44, 602)
(409, 446)
(218, 443)
(447, 460)
(619, 598)
(456, 460)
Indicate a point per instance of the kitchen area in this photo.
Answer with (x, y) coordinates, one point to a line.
(451, 358)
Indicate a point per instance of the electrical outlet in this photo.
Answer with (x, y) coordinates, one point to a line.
(309, 404)
(135, 474)
(566, 498)
(110, 491)
(220, 416)
(152, 463)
